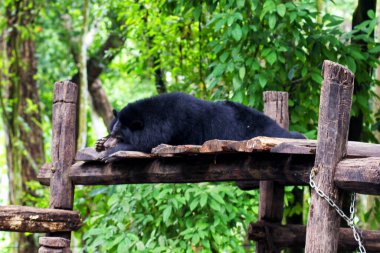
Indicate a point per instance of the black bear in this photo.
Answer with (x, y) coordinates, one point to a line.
(178, 118)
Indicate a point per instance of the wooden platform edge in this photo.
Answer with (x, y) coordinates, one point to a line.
(38, 220)
(286, 168)
(293, 236)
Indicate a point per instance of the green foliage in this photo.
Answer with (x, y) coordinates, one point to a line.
(178, 218)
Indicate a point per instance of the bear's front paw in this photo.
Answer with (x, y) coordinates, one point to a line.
(99, 145)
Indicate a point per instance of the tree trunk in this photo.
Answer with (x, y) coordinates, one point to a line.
(83, 90)
(360, 15)
(22, 122)
(95, 66)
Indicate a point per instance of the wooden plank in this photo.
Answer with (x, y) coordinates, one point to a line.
(334, 117)
(180, 149)
(289, 236)
(38, 220)
(90, 154)
(257, 144)
(263, 144)
(271, 205)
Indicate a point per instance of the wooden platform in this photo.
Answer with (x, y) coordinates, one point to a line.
(288, 161)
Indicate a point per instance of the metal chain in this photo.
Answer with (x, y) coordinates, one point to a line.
(349, 220)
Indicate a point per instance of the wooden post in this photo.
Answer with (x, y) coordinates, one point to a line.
(322, 232)
(63, 150)
(54, 245)
(271, 203)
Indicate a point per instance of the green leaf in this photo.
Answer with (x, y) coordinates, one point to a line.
(371, 14)
(272, 21)
(357, 55)
(236, 32)
(351, 64)
(316, 77)
(193, 204)
(240, 3)
(166, 214)
(262, 81)
(374, 50)
(214, 205)
(203, 200)
(217, 197)
(224, 56)
(281, 10)
(272, 57)
(230, 20)
(195, 239)
(242, 73)
(219, 24)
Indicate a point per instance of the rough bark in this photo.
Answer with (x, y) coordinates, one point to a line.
(63, 147)
(287, 169)
(83, 86)
(335, 106)
(22, 123)
(360, 14)
(95, 66)
(271, 203)
(54, 245)
(38, 220)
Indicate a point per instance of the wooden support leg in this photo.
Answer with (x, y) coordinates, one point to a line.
(271, 193)
(63, 155)
(322, 232)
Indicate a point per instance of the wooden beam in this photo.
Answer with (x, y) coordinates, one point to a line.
(285, 168)
(203, 168)
(354, 174)
(334, 117)
(290, 236)
(38, 220)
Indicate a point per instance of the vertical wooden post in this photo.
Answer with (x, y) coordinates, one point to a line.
(63, 152)
(334, 117)
(271, 203)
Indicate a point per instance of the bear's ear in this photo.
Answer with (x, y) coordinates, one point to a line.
(114, 113)
(136, 125)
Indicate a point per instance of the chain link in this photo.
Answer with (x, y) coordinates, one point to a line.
(349, 220)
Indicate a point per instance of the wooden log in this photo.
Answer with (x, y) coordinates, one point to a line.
(38, 220)
(257, 166)
(54, 242)
(63, 146)
(271, 203)
(54, 245)
(206, 168)
(334, 116)
(289, 236)
(363, 173)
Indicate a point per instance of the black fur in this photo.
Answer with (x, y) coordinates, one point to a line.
(177, 118)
